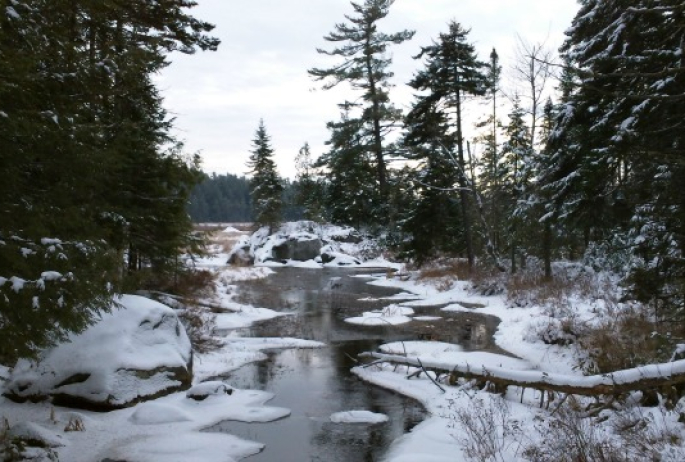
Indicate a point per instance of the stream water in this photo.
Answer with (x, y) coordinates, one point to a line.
(316, 383)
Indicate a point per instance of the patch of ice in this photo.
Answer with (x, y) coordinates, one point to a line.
(427, 318)
(358, 417)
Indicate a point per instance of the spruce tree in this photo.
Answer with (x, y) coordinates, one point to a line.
(86, 113)
(309, 189)
(267, 188)
(491, 172)
(364, 65)
(620, 136)
(351, 193)
(451, 72)
(517, 159)
(433, 220)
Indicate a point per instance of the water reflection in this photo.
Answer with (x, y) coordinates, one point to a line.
(316, 383)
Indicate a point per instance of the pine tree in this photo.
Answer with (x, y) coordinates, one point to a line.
(351, 196)
(310, 190)
(267, 188)
(365, 66)
(433, 220)
(517, 156)
(451, 72)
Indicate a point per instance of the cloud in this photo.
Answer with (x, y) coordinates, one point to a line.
(260, 70)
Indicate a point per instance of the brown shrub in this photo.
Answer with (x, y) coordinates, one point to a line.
(442, 273)
(624, 339)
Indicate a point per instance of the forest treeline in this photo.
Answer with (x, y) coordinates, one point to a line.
(227, 199)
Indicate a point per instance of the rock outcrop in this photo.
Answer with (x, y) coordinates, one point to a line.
(139, 351)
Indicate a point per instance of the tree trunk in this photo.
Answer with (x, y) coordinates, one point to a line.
(547, 249)
(463, 192)
(654, 376)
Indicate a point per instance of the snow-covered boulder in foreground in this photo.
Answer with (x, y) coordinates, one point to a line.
(137, 352)
(325, 244)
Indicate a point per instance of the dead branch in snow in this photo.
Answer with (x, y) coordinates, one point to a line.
(665, 378)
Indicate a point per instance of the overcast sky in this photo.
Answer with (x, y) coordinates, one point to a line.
(260, 70)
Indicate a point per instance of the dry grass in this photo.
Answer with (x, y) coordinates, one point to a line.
(442, 273)
(75, 424)
(194, 283)
(624, 339)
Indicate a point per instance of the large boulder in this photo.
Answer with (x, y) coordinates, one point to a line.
(137, 352)
(301, 248)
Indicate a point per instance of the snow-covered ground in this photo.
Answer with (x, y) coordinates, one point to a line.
(471, 424)
(465, 424)
(167, 429)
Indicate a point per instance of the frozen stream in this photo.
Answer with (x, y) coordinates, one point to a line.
(316, 383)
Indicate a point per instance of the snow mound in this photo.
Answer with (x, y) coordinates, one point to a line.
(33, 432)
(390, 315)
(193, 446)
(204, 390)
(157, 413)
(135, 352)
(358, 417)
(419, 348)
(230, 230)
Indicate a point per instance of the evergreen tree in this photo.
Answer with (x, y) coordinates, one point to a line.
(365, 66)
(491, 172)
(451, 72)
(351, 194)
(310, 191)
(267, 188)
(433, 220)
(619, 138)
(517, 156)
(86, 113)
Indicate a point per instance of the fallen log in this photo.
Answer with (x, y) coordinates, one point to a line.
(664, 376)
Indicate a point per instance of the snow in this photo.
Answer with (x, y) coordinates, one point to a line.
(230, 230)
(358, 417)
(342, 245)
(175, 427)
(390, 315)
(107, 368)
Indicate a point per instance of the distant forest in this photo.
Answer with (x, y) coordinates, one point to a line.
(226, 198)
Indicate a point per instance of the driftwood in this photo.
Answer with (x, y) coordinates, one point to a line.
(665, 377)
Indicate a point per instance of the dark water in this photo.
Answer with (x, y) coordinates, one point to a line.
(316, 383)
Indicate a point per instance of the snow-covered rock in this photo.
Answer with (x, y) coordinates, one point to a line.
(137, 352)
(302, 248)
(240, 253)
(204, 390)
(303, 241)
(30, 431)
